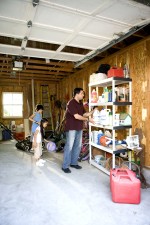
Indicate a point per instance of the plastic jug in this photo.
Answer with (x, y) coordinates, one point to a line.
(100, 134)
(96, 116)
(104, 117)
(94, 136)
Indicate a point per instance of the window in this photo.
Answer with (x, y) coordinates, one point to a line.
(12, 104)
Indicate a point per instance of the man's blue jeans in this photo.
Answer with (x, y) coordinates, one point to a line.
(72, 148)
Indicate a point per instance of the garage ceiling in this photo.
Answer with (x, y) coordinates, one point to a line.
(53, 38)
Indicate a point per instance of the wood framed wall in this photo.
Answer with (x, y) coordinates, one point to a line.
(138, 58)
(24, 86)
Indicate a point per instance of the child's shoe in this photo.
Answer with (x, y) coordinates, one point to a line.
(38, 163)
(42, 160)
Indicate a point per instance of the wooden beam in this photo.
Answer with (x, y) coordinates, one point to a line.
(64, 64)
(6, 64)
(33, 72)
(5, 58)
(32, 75)
(49, 68)
(27, 78)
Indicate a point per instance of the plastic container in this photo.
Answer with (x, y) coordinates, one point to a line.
(94, 136)
(96, 116)
(94, 96)
(106, 94)
(110, 96)
(97, 158)
(115, 72)
(104, 117)
(125, 188)
(100, 134)
(118, 171)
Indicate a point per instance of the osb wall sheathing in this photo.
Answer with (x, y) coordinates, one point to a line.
(137, 57)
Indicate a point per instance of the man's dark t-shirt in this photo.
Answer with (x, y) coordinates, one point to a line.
(74, 107)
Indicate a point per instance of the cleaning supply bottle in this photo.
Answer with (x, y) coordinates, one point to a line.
(96, 116)
(94, 96)
(110, 96)
(106, 94)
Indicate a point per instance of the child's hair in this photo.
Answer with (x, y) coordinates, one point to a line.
(43, 120)
(38, 107)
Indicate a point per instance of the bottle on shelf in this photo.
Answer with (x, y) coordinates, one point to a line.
(110, 118)
(126, 71)
(96, 116)
(110, 95)
(106, 94)
(104, 117)
(94, 96)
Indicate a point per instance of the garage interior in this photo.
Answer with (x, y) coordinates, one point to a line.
(58, 45)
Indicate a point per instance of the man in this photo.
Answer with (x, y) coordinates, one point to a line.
(75, 115)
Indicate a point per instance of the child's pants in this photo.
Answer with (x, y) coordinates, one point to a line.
(38, 151)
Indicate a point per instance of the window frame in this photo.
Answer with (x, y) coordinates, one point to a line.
(11, 92)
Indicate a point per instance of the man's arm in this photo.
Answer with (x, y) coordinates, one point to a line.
(79, 117)
(87, 114)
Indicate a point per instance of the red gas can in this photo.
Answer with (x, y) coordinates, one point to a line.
(126, 189)
(120, 171)
(115, 72)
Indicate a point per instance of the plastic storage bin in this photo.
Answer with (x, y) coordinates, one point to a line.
(125, 188)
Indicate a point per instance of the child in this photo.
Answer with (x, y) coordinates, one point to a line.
(37, 142)
(36, 118)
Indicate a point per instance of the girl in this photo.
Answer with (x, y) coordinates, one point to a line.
(36, 118)
(37, 142)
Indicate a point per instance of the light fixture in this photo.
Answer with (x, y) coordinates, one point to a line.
(17, 66)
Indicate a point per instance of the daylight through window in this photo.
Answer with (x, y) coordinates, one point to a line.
(12, 104)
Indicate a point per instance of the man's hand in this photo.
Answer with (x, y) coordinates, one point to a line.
(91, 120)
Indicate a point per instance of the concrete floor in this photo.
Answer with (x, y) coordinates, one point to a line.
(47, 196)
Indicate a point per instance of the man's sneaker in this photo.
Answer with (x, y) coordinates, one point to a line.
(67, 170)
(38, 163)
(42, 160)
(76, 167)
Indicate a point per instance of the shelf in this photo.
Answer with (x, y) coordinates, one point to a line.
(107, 149)
(112, 82)
(121, 127)
(92, 162)
(108, 82)
(122, 103)
(110, 103)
